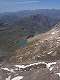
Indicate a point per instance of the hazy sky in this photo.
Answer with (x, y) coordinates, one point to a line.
(17, 5)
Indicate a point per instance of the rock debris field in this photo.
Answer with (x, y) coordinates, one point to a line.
(34, 71)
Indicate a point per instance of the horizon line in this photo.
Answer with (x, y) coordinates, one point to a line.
(30, 10)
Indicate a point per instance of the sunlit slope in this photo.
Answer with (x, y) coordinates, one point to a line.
(45, 46)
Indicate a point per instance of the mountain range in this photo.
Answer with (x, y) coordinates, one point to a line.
(17, 29)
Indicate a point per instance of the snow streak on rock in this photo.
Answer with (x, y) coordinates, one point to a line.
(48, 65)
(58, 74)
(17, 78)
(10, 70)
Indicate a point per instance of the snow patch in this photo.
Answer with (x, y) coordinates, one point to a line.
(58, 38)
(50, 52)
(10, 70)
(51, 68)
(18, 78)
(20, 66)
(57, 42)
(49, 64)
(53, 33)
(58, 74)
(23, 66)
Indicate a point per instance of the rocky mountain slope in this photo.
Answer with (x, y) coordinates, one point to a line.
(39, 58)
(17, 28)
(14, 34)
(45, 46)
